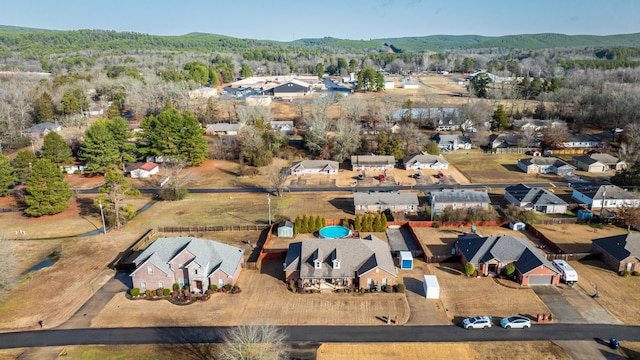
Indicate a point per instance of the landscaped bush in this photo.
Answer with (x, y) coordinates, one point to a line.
(400, 287)
(469, 269)
(292, 288)
(166, 292)
(635, 273)
(147, 293)
(135, 292)
(176, 287)
(479, 273)
(159, 291)
(213, 288)
(361, 290)
(387, 288)
(228, 287)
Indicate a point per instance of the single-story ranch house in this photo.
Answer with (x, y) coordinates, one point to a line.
(546, 165)
(188, 261)
(536, 199)
(597, 162)
(372, 162)
(380, 201)
(222, 129)
(326, 167)
(491, 254)
(425, 161)
(339, 263)
(451, 142)
(604, 196)
(458, 199)
(620, 252)
(144, 170)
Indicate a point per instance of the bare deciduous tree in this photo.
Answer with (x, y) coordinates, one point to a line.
(256, 342)
(173, 184)
(277, 178)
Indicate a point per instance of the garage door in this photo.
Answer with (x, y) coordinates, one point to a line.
(540, 279)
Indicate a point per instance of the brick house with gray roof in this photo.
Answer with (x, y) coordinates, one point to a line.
(406, 202)
(619, 252)
(546, 165)
(188, 261)
(491, 254)
(339, 263)
(534, 198)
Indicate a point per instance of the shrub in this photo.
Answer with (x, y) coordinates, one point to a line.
(152, 293)
(292, 288)
(213, 287)
(436, 224)
(159, 291)
(147, 293)
(361, 290)
(469, 269)
(228, 287)
(176, 287)
(479, 273)
(509, 270)
(166, 292)
(134, 292)
(400, 287)
(626, 273)
(635, 273)
(186, 287)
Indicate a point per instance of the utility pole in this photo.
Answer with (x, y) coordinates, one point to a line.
(269, 204)
(104, 226)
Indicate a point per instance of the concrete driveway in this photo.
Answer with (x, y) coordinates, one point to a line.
(561, 309)
(573, 305)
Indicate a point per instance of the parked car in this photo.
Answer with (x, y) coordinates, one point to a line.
(360, 176)
(477, 322)
(440, 175)
(614, 344)
(417, 176)
(516, 322)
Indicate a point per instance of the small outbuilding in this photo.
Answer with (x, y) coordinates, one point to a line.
(431, 287)
(406, 260)
(517, 226)
(285, 229)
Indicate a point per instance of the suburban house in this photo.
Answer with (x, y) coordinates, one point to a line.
(74, 168)
(186, 261)
(380, 201)
(372, 162)
(458, 199)
(222, 129)
(293, 87)
(339, 263)
(144, 170)
(536, 125)
(258, 100)
(285, 127)
(581, 141)
(597, 162)
(491, 254)
(546, 165)
(604, 196)
(508, 140)
(451, 142)
(425, 161)
(536, 199)
(619, 252)
(42, 129)
(326, 167)
(203, 93)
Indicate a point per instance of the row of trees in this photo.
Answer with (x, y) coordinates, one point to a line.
(308, 224)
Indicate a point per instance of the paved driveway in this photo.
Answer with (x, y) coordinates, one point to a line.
(573, 305)
(561, 309)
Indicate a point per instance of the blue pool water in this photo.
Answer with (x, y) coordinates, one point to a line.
(334, 232)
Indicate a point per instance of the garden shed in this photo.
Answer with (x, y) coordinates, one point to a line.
(517, 226)
(431, 287)
(406, 260)
(285, 229)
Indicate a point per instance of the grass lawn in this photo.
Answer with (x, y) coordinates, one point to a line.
(481, 168)
(576, 238)
(533, 350)
(125, 352)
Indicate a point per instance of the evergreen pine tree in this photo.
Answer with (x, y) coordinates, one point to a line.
(99, 150)
(22, 163)
(357, 223)
(46, 191)
(304, 224)
(56, 149)
(44, 108)
(7, 176)
(297, 225)
(376, 223)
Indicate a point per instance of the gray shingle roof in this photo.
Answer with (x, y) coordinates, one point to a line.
(605, 159)
(620, 246)
(545, 161)
(459, 196)
(423, 159)
(223, 127)
(372, 160)
(385, 198)
(210, 254)
(315, 164)
(355, 255)
(536, 196)
(598, 192)
(443, 139)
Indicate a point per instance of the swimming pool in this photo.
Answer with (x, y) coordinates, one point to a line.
(334, 232)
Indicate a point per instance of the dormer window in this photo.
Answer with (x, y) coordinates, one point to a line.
(196, 271)
(317, 264)
(336, 264)
(181, 266)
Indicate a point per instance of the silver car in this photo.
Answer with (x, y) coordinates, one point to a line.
(515, 322)
(477, 322)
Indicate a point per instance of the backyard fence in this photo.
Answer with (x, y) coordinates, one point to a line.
(194, 229)
(567, 257)
(555, 221)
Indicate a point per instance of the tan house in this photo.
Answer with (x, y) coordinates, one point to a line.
(186, 261)
(491, 254)
(307, 167)
(339, 263)
(258, 100)
(620, 252)
(597, 162)
(458, 199)
(372, 162)
(364, 202)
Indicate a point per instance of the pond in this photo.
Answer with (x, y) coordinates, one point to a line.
(46, 262)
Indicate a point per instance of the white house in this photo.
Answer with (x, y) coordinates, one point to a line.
(285, 127)
(222, 129)
(326, 167)
(425, 161)
(604, 196)
(203, 93)
(145, 170)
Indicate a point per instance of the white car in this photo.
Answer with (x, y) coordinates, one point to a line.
(516, 322)
(477, 322)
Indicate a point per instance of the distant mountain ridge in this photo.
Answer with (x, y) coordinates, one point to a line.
(41, 41)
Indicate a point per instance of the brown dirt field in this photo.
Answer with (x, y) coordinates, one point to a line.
(249, 306)
(612, 288)
(440, 241)
(460, 295)
(84, 182)
(576, 238)
(534, 350)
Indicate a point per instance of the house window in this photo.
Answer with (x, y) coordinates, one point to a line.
(220, 283)
(181, 282)
(181, 266)
(317, 264)
(196, 271)
(384, 282)
(143, 286)
(150, 270)
(336, 264)
(160, 285)
(369, 282)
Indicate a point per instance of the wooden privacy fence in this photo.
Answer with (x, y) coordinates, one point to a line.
(176, 229)
(566, 257)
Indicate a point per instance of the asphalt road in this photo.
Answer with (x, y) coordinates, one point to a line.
(362, 334)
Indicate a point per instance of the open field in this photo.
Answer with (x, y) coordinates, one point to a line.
(576, 238)
(533, 350)
(481, 168)
(250, 307)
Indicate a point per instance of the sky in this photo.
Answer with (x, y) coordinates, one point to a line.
(286, 20)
